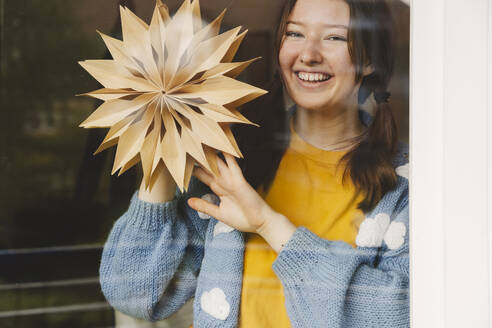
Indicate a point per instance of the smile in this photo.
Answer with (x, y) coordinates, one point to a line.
(313, 77)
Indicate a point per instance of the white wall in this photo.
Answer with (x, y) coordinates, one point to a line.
(450, 164)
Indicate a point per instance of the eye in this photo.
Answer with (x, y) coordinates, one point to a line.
(335, 38)
(291, 34)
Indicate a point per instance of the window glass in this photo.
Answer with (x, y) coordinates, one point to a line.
(58, 202)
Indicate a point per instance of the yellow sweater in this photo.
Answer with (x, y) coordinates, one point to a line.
(308, 190)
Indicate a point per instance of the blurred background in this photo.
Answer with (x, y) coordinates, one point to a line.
(58, 201)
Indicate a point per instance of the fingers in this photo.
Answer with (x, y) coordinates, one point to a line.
(207, 177)
(203, 176)
(223, 168)
(231, 162)
(229, 175)
(203, 206)
(209, 180)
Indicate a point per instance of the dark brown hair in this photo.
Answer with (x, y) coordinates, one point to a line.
(369, 161)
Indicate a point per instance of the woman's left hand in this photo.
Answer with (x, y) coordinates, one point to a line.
(241, 207)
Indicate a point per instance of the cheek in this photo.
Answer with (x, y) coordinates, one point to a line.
(287, 57)
(342, 63)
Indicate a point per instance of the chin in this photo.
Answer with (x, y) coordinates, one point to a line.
(317, 103)
(308, 103)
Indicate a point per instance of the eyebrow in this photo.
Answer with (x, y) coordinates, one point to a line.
(326, 25)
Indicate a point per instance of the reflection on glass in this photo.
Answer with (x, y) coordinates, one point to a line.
(317, 162)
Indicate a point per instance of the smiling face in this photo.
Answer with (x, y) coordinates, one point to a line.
(314, 56)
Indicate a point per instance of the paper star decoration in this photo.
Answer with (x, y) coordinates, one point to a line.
(169, 93)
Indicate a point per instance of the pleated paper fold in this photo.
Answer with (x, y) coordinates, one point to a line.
(169, 92)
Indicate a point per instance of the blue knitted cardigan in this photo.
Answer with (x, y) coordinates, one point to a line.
(158, 256)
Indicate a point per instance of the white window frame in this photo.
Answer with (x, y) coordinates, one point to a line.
(451, 157)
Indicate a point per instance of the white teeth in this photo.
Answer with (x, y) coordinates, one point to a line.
(313, 77)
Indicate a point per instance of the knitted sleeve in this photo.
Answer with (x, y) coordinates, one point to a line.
(330, 284)
(152, 257)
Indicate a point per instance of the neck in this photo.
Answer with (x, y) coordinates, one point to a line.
(332, 129)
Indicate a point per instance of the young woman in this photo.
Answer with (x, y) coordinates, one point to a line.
(315, 233)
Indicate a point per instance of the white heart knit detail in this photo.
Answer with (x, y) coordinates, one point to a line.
(221, 227)
(403, 171)
(395, 236)
(214, 303)
(371, 231)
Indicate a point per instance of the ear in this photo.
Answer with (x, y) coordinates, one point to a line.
(368, 69)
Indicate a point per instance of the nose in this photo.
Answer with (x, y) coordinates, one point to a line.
(310, 53)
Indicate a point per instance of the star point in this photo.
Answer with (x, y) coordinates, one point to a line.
(169, 92)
